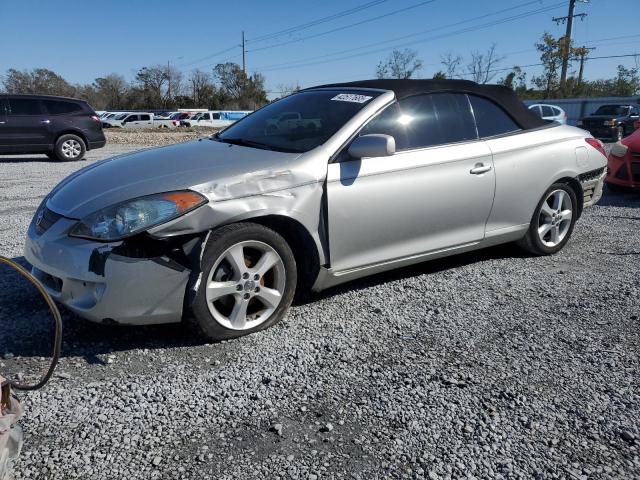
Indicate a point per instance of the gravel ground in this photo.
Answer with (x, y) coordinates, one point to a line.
(156, 136)
(484, 365)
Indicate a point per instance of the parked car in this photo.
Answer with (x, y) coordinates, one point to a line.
(133, 120)
(624, 164)
(191, 120)
(109, 119)
(549, 112)
(611, 122)
(223, 231)
(62, 128)
(172, 122)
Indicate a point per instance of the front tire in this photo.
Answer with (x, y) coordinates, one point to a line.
(248, 282)
(552, 222)
(69, 148)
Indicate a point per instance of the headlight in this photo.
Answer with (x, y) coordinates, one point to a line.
(137, 215)
(609, 123)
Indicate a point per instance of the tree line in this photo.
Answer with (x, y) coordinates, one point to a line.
(156, 87)
(483, 67)
(227, 86)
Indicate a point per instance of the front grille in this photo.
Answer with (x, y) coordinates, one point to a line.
(45, 219)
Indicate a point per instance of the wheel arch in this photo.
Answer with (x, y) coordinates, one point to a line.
(77, 133)
(575, 185)
(304, 247)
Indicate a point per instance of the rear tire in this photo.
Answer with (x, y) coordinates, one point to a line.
(247, 284)
(552, 222)
(69, 148)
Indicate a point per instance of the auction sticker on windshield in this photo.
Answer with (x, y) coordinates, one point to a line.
(351, 97)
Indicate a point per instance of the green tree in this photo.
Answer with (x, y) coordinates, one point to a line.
(40, 81)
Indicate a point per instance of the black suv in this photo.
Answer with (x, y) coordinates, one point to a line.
(611, 122)
(62, 128)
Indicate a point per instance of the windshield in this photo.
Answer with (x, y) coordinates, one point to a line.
(299, 122)
(175, 116)
(612, 110)
(121, 116)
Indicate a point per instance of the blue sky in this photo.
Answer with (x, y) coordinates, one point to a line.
(82, 40)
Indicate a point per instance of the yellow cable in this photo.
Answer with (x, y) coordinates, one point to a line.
(57, 339)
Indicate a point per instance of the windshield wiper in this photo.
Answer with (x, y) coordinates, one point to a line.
(250, 143)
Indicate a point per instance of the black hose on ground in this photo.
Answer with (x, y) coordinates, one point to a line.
(57, 338)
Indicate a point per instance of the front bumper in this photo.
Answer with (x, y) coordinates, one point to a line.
(603, 132)
(101, 283)
(624, 171)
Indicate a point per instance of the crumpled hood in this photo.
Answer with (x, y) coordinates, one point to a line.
(218, 170)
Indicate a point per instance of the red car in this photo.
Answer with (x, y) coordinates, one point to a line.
(624, 163)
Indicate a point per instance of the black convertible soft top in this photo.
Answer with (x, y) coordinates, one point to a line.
(503, 96)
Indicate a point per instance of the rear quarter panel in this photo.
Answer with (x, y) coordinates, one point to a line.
(528, 163)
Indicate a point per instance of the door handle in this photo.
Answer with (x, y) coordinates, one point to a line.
(2, 122)
(45, 122)
(479, 169)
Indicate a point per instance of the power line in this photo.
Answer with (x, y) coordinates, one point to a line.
(422, 32)
(297, 64)
(351, 25)
(313, 23)
(289, 30)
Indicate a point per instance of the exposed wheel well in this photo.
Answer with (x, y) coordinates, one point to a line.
(301, 243)
(577, 188)
(76, 133)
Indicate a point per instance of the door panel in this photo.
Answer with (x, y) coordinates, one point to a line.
(414, 202)
(3, 125)
(27, 127)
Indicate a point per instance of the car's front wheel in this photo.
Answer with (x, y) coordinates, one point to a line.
(248, 281)
(69, 147)
(552, 222)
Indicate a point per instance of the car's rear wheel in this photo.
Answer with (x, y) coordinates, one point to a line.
(69, 147)
(552, 222)
(248, 281)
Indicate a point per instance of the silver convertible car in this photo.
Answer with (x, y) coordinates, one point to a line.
(321, 187)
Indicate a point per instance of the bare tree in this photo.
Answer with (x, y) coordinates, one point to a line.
(482, 65)
(451, 64)
(201, 86)
(112, 90)
(400, 64)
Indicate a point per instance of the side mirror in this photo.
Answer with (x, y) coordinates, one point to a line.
(372, 145)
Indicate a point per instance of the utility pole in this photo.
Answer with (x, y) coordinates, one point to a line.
(244, 65)
(566, 40)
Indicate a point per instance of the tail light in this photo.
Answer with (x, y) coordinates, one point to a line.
(597, 144)
(96, 119)
(175, 123)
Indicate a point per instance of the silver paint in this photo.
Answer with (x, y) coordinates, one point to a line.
(382, 212)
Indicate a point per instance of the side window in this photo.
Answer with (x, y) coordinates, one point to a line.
(132, 118)
(58, 107)
(426, 120)
(556, 112)
(490, 118)
(547, 111)
(24, 106)
(206, 116)
(536, 109)
(145, 118)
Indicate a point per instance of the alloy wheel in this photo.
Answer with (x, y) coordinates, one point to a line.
(71, 148)
(245, 285)
(555, 218)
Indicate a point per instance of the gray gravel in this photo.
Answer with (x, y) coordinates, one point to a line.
(484, 365)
